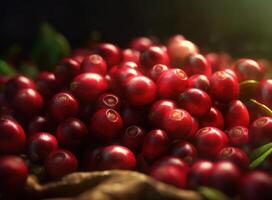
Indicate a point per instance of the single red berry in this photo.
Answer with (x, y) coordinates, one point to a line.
(264, 92)
(152, 56)
(40, 145)
(213, 118)
(110, 53)
(185, 151)
(260, 130)
(106, 124)
(129, 64)
(13, 174)
(209, 141)
(214, 60)
(88, 86)
(133, 116)
(157, 70)
(155, 144)
(238, 136)
(63, 105)
(38, 124)
(140, 90)
(46, 83)
(108, 100)
(12, 137)
(194, 129)
(231, 72)
(95, 64)
(171, 83)
(79, 54)
(141, 43)
(131, 55)
(60, 163)
(224, 87)
(71, 132)
(177, 123)
(195, 101)
(200, 82)
(133, 138)
(256, 185)
(236, 114)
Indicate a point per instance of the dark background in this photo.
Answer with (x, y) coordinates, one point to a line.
(241, 27)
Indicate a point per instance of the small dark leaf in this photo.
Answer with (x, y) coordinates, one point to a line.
(258, 156)
(248, 89)
(212, 194)
(262, 107)
(6, 69)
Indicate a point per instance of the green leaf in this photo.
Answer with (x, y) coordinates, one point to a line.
(212, 194)
(248, 89)
(258, 156)
(6, 69)
(262, 107)
(29, 69)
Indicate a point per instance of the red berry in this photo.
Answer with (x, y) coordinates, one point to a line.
(185, 151)
(264, 92)
(12, 137)
(71, 132)
(110, 53)
(130, 55)
(157, 70)
(155, 144)
(60, 163)
(40, 145)
(141, 43)
(195, 127)
(38, 124)
(133, 137)
(171, 83)
(209, 141)
(88, 86)
(108, 100)
(63, 105)
(238, 136)
(260, 130)
(213, 118)
(200, 82)
(94, 64)
(46, 83)
(236, 114)
(106, 124)
(154, 55)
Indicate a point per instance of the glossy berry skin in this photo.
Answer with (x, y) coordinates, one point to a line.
(238, 136)
(140, 90)
(236, 156)
(28, 101)
(94, 64)
(110, 53)
(67, 69)
(13, 174)
(12, 137)
(63, 105)
(256, 185)
(199, 174)
(199, 81)
(141, 43)
(225, 177)
(114, 157)
(152, 56)
(177, 123)
(88, 86)
(133, 137)
(171, 83)
(71, 132)
(264, 92)
(195, 101)
(185, 151)
(195, 127)
(209, 141)
(46, 84)
(196, 64)
(260, 130)
(157, 70)
(130, 55)
(106, 124)
(108, 100)
(155, 144)
(224, 87)
(60, 163)
(38, 124)
(159, 109)
(247, 69)
(236, 114)
(213, 118)
(40, 145)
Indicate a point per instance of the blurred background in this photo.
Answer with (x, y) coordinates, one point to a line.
(242, 27)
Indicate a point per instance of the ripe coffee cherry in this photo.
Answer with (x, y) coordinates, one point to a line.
(130, 55)
(140, 90)
(171, 83)
(94, 64)
(224, 87)
(213, 118)
(260, 130)
(154, 55)
(185, 151)
(247, 69)
(66, 70)
(196, 64)
(157, 70)
(13, 174)
(195, 101)
(236, 156)
(40, 145)
(88, 86)
(209, 141)
(28, 101)
(158, 111)
(110, 53)
(195, 127)
(256, 185)
(46, 83)
(236, 114)
(108, 100)
(155, 144)
(38, 124)
(141, 43)
(106, 124)
(71, 132)
(12, 137)
(63, 105)
(200, 82)
(225, 177)
(133, 137)
(114, 157)
(238, 136)
(60, 163)
(177, 123)
(199, 174)
(264, 92)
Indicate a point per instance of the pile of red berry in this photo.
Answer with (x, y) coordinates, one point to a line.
(166, 111)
